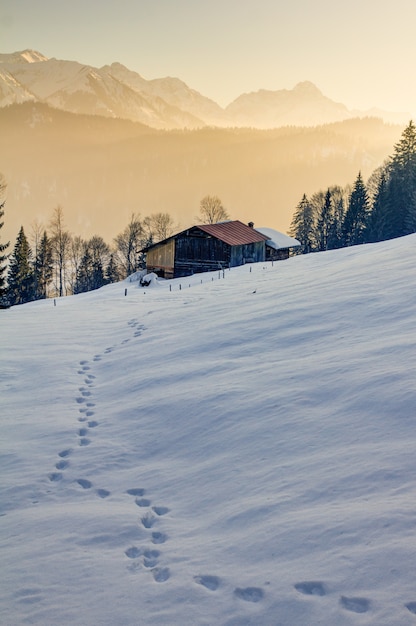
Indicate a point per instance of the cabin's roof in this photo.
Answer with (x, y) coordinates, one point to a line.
(233, 233)
(278, 240)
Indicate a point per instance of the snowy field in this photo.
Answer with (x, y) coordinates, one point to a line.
(240, 452)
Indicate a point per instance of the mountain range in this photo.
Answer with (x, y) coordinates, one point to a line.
(164, 103)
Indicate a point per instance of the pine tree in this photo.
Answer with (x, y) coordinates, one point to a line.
(97, 278)
(324, 222)
(302, 226)
(356, 216)
(43, 269)
(21, 284)
(376, 225)
(99, 255)
(112, 274)
(84, 280)
(337, 218)
(400, 215)
(3, 259)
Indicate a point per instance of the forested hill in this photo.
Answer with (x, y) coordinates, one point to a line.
(102, 170)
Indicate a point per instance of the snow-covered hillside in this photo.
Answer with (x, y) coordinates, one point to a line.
(239, 452)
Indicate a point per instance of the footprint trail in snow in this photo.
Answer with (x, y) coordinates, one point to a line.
(147, 557)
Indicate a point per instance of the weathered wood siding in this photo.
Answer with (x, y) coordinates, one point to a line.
(276, 255)
(248, 253)
(198, 252)
(161, 259)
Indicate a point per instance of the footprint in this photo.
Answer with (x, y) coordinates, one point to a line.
(103, 493)
(55, 477)
(249, 594)
(356, 605)
(411, 606)
(61, 465)
(90, 405)
(311, 588)
(160, 510)
(86, 368)
(142, 502)
(84, 483)
(86, 393)
(137, 491)
(80, 400)
(150, 558)
(161, 574)
(158, 537)
(82, 432)
(84, 441)
(89, 413)
(133, 552)
(92, 424)
(82, 419)
(83, 362)
(83, 410)
(210, 582)
(97, 357)
(65, 453)
(91, 376)
(148, 520)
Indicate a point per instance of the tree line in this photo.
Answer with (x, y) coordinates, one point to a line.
(57, 263)
(384, 208)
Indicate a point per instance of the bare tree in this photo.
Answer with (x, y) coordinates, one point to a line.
(60, 240)
(212, 210)
(158, 226)
(36, 233)
(76, 251)
(128, 243)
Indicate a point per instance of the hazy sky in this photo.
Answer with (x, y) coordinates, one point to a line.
(360, 52)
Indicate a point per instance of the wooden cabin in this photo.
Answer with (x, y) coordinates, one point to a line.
(208, 247)
(278, 245)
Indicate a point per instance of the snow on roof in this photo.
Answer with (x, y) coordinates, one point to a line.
(278, 240)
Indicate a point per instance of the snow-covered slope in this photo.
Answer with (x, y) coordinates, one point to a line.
(238, 451)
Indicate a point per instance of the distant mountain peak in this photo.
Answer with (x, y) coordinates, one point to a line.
(306, 87)
(23, 56)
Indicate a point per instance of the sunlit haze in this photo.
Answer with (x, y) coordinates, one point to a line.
(359, 53)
